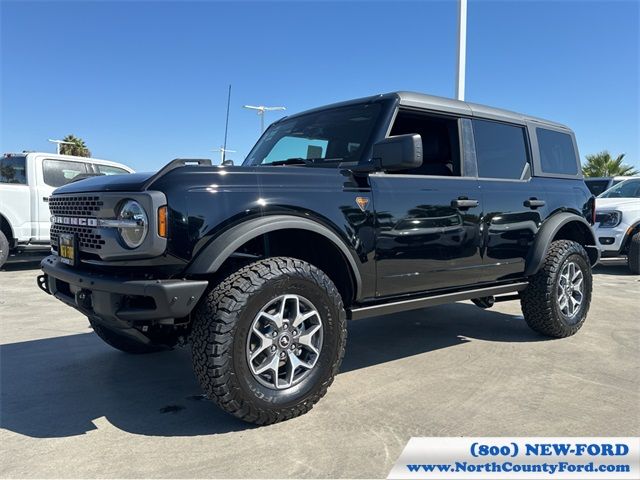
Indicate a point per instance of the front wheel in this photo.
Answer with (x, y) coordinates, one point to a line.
(268, 341)
(4, 248)
(557, 299)
(633, 257)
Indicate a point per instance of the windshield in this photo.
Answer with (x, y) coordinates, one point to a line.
(626, 189)
(325, 137)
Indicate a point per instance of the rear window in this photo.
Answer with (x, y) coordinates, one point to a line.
(13, 170)
(60, 172)
(557, 154)
(501, 150)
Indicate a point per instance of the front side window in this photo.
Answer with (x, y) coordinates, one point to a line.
(501, 150)
(324, 137)
(440, 144)
(60, 172)
(13, 169)
(627, 189)
(109, 170)
(557, 154)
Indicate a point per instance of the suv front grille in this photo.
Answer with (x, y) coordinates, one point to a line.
(77, 206)
(74, 207)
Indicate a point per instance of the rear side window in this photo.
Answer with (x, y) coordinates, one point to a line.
(60, 172)
(109, 170)
(13, 170)
(557, 154)
(501, 150)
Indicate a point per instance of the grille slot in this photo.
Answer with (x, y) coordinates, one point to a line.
(76, 206)
(80, 206)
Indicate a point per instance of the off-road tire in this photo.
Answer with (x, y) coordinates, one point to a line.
(219, 336)
(123, 343)
(538, 300)
(4, 248)
(633, 257)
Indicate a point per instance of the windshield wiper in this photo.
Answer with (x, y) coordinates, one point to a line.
(304, 161)
(291, 161)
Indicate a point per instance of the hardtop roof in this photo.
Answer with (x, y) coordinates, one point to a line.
(442, 104)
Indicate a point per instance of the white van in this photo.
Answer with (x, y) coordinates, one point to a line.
(26, 182)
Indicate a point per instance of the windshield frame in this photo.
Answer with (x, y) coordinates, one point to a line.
(377, 132)
(618, 186)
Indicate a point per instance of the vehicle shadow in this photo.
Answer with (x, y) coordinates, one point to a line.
(58, 387)
(613, 267)
(20, 262)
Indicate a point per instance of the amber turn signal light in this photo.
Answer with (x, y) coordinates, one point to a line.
(162, 221)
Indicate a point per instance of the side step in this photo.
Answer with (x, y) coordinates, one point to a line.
(415, 303)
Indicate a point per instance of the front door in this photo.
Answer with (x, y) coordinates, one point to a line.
(427, 232)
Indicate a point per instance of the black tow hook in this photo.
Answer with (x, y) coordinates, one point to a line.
(83, 299)
(43, 283)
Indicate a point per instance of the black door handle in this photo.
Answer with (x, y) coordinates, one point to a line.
(534, 203)
(463, 203)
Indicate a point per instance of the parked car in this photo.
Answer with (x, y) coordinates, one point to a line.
(26, 182)
(618, 222)
(597, 185)
(368, 207)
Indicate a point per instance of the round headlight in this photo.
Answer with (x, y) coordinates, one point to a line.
(135, 230)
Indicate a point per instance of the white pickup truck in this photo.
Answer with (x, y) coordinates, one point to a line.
(26, 182)
(617, 226)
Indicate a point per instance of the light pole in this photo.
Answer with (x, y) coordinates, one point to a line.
(260, 110)
(58, 143)
(223, 151)
(462, 49)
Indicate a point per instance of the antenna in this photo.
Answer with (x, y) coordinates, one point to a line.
(226, 129)
(58, 143)
(260, 111)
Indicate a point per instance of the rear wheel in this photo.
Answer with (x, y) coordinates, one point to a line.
(633, 257)
(124, 342)
(557, 299)
(4, 248)
(268, 341)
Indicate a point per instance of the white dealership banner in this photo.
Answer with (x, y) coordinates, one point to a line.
(515, 458)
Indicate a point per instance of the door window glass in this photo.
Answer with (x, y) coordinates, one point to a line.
(557, 154)
(60, 172)
(13, 169)
(501, 150)
(109, 170)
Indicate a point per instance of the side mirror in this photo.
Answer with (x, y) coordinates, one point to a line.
(402, 152)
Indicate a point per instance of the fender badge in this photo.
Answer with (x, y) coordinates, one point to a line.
(362, 202)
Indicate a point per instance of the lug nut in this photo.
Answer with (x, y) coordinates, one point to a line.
(273, 348)
(274, 334)
(283, 354)
(293, 347)
(295, 331)
(285, 326)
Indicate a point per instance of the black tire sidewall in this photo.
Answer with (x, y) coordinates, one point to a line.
(322, 372)
(4, 249)
(572, 256)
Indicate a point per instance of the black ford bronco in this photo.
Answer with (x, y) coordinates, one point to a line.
(367, 207)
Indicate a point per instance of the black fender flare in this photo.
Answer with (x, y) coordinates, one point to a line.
(212, 256)
(547, 233)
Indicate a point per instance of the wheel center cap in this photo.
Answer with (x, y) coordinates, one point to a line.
(284, 341)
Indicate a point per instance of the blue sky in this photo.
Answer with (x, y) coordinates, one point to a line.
(146, 82)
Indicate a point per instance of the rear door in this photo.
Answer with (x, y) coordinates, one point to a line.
(427, 219)
(514, 201)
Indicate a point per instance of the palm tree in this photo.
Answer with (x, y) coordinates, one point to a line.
(77, 147)
(603, 165)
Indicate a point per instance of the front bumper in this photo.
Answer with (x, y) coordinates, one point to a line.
(120, 302)
(611, 240)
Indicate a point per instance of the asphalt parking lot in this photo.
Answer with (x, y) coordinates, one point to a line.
(73, 407)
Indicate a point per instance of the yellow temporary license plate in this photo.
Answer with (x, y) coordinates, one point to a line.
(67, 248)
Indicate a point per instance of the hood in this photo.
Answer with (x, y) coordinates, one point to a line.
(132, 182)
(612, 203)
